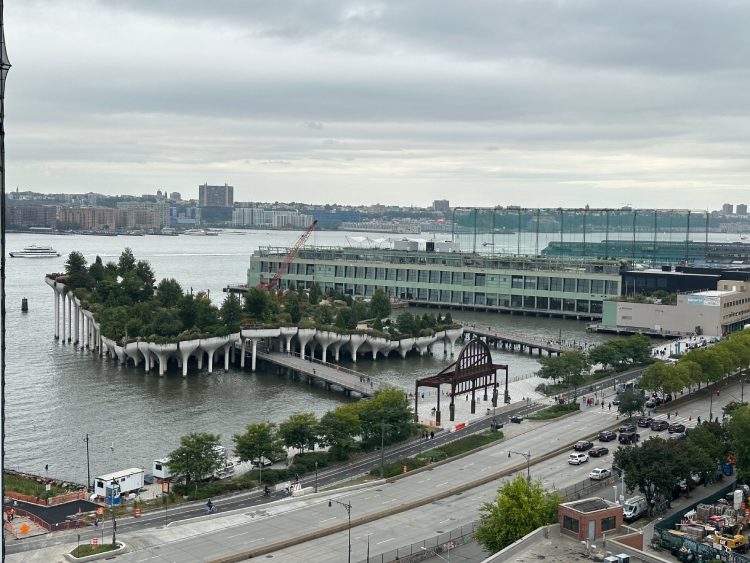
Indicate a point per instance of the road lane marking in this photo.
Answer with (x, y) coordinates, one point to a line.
(238, 535)
(441, 484)
(389, 539)
(388, 501)
(328, 519)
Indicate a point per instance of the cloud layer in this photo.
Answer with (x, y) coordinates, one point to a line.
(524, 102)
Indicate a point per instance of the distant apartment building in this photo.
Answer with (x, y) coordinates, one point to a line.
(727, 209)
(741, 209)
(175, 196)
(87, 218)
(442, 205)
(184, 216)
(135, 219)
(31, 216)
(156, 213)
(401, 227)
(269, 218)
(215, 196)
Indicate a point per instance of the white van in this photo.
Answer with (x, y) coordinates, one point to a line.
(634, 508)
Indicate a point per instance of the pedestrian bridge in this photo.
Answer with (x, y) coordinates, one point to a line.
(330, 374)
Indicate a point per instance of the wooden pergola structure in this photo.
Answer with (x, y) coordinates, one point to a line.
(472, 371)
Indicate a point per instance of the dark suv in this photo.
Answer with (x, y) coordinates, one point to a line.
(627, 428)
(659, 425)
(676, 428)
(583, 445)
(607, 436)
(644, 421)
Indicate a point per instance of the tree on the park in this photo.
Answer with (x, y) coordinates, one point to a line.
(739, 440)
(231, 312)
(521, 506)
(299, 431)
(380, 305)
(168, 292)
(387, 416)
(198, 456)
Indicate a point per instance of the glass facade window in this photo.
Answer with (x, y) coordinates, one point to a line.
(516, 282)
(491, 301)
(569, 305)
(584, 286)
(390, 273)
(458, 297)
(516, 301)
(401, 274)
(424, 276)
(613, 288)
(542, 283)
(411, 275)
(422, 294)
(555, 304)
(434, 295)
(608, 523)
(596, 307)
(529, 302)
(503, 300)
(479, 280)
(555, 284)
(445, 277)
(445, 296)
(468, 298)
(479, 299)
(542, 303)
(569, 285)
(582, 306)
(597, 287)
(529, 282)
(380, 274)
(434, 276)
(457, 278)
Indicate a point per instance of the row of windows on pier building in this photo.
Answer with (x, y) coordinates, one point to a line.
(460, 298)
(443, 277)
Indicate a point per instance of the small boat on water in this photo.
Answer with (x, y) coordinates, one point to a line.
(35, 251)
(201, 233)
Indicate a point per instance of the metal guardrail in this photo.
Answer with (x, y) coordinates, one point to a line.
(428, 548)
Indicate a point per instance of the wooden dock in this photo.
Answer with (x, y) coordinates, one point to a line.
(516, 343)
(330, 374)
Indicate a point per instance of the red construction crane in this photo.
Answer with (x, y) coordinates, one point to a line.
(274, 281)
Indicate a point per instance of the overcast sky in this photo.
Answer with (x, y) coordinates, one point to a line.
(528, 102)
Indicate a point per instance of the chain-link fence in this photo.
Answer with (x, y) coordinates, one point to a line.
(436, 545)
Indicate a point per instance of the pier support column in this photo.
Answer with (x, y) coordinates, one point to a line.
(70, 316)
(227, 349)
(62, 332)
(252, 361)
(187, 347)
(75, 323)
(57, 313)
(242, 352)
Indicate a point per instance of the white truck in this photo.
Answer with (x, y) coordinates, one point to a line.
(161, 470)
(123, 482)
(634, 508)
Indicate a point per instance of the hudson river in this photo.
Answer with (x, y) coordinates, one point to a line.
(56, 393)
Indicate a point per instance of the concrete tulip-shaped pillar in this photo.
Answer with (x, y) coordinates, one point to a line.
(376, 345)
(70, 316)
(186, 348)
(390, 346)
(64, 324)
(143, 349)
(325, 339)
(338, 343)
(131, 351)
(305, 335)
(355, 341)
(424, 344)
(210, 345)
(405, 345)
(57, 314)
(162, 352)
(452, 335)
(287, 333)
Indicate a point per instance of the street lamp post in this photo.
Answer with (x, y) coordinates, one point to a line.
(88, 466)
(348, 507)
(527, 456)
(114, 488)
(316, 476)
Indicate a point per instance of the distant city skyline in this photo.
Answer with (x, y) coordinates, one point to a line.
(537, 104)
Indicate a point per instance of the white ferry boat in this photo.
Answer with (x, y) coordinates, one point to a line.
(35, 251)
(201, 233)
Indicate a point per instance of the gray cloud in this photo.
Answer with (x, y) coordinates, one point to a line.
(574, 101)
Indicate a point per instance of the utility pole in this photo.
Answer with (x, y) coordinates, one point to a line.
(382, 447)
(4, 68)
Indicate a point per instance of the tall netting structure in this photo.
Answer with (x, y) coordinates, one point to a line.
(649, 236)
(4, 68)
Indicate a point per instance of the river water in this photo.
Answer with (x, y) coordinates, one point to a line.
(56, 394)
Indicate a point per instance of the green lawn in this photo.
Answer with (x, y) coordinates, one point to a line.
(26, 486)
(554, 411)
(86, 549)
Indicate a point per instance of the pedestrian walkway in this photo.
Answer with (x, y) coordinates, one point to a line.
(22, 527)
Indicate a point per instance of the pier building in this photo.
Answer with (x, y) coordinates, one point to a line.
(555, 287)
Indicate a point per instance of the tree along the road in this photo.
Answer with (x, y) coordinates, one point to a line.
(631, 401)
(299, 431)
(259, 440)
(652, 468)
(521, 506)
(387, 417)
(739, 440)
(337, 430)
(569, 367)
(197, 458)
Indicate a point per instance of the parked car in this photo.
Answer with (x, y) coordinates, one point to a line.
(607, 436)
(644, 422)
(583, 445)
(676, 428)
(659, 425)
(517, 418)
(599, 473)
(627, 428)
(577, 458)
(616, 401)
(629, 437)
(598, 451)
